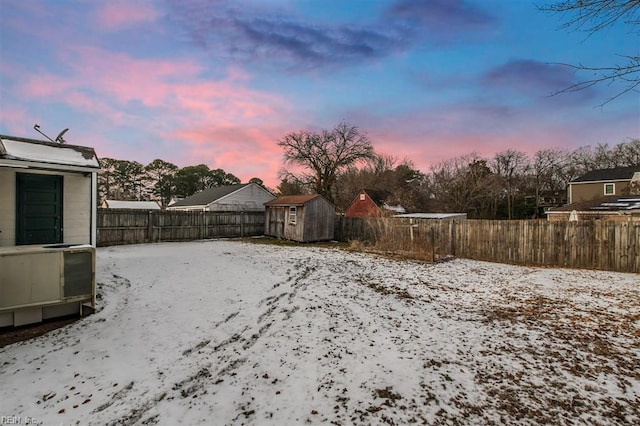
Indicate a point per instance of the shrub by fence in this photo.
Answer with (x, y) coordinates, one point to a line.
(124, 226)
(613, 246)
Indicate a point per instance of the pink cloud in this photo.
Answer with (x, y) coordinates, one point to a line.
(223, 122)
(429, 137)
(242, 150)
(114, 15)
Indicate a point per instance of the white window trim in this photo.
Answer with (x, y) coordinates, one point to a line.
(613, 187)
(293, 212)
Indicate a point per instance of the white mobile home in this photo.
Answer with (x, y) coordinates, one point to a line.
(48, 204)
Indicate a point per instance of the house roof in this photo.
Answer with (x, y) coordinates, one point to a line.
(602, 204)
(377, 195)
(140, 205)
(292, 200)
(16, 151)
(617, 173)
(209, 195)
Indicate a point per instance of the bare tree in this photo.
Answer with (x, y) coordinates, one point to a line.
(593, 16)
(627, 153)
(586, 158)
(510, 166)
(463, 184)
(548, 175)
(326, 154)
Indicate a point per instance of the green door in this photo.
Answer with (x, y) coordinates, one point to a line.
(39, 209)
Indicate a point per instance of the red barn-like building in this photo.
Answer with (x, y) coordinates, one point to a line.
(371, 203)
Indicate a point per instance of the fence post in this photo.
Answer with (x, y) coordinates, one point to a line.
(453, 237)
(433, 245)
(149, 238)
(201, 227)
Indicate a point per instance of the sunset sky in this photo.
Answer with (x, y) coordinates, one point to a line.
(219, 82)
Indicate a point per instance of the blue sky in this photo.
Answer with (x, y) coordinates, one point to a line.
(219, 82)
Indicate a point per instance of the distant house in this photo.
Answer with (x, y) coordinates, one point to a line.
(603, 182)
(240, 197)
(173, 200)
(48, 205)
(611, 208)
(133, 205)
(372, 203)
(302, 218)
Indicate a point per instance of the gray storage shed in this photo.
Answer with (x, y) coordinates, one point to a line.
(302, 218)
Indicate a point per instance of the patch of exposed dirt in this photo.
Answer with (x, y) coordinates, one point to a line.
(11, 335)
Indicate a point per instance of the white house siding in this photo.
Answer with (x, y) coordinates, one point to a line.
(76, 216)
(7, 207)
(76, 193)
(248, 198)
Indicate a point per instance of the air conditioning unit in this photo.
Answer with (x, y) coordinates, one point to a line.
(41, 282)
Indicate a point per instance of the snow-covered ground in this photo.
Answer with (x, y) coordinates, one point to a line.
(229, 332)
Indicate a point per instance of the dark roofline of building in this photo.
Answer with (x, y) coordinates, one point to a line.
(616, 173)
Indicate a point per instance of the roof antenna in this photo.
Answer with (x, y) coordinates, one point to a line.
(36, 127)
(59, 137)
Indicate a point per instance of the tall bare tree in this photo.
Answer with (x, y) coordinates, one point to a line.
(594, 16)
(510, 166)
(464, 184)
(547, 174)
(325, 154)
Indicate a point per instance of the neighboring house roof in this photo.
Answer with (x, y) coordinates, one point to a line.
(18, 152)
(378, 196)
(293, 200)
(433, 215)
(209, 195)
(397, 208)
(613, 174)
(603, 204)
(138, 205)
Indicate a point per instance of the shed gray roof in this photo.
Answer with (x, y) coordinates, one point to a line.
(617, 173)
(292, 200)
(209, 195)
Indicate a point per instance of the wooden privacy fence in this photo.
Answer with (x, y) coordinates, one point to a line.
(124, 226)
(604, 245)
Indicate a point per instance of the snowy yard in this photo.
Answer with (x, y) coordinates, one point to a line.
(228, 332)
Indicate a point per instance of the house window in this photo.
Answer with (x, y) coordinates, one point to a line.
(609, 188)
(292, 215)
(362, 197)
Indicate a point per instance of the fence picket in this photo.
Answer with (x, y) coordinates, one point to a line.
(119, 226)
(613, 246)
